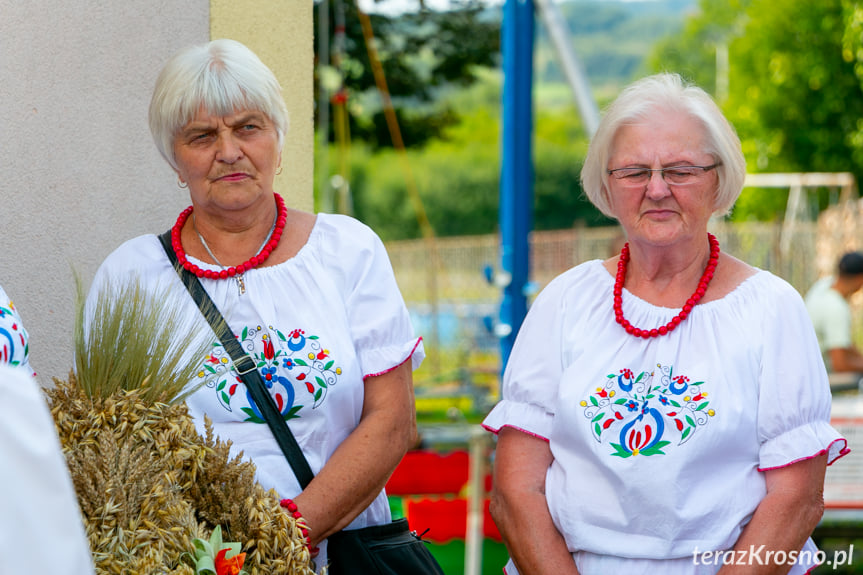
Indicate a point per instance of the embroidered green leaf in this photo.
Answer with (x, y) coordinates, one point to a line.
(245, 333)
(685, 433)
(690, 421)
(329, 365)
(226, 398)
(252, 417)
(301, 362)
(654, 449)
(674, 403)
(620, 401)
(313, 337)
(318, 394)
(292, 412)
(702, 406)
(640, 376)
(593, 401)
(320, 381)
(597, 429)
(210, 368)
(281, 336)
(598, 417)
(621, 451)
(610, 376)
(649, 396)
(221, 385)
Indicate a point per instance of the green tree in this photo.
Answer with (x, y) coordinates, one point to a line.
(793, 95)
(422, 54)
(693, 52)
(458, 175)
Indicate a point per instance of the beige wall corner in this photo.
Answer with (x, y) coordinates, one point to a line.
(280, 32)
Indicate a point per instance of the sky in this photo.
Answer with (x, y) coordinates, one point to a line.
(394, 7)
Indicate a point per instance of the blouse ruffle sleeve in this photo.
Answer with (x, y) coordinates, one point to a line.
(379, 321)
(533, 372)
(794, 394)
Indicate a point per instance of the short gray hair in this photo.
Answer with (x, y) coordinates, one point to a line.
(221, 76)
(666, 92)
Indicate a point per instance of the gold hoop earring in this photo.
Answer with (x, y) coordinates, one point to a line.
(183, 185)
(279, 171)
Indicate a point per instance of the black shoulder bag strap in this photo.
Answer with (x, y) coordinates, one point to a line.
(246, 368)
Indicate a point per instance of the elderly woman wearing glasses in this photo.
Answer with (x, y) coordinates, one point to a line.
(666, 410)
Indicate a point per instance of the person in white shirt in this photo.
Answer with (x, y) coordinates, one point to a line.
(41, 527)
(312, 298)
(827, 304)
(665, 409)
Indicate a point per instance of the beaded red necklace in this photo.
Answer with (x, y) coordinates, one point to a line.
(687, 307)
(253, 262)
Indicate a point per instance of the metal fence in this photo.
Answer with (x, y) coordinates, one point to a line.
(449, 271)
(453, 306)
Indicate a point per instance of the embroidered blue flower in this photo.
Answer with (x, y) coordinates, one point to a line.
(663, 400)
(631, 405)
(268, 373)
(289, 363)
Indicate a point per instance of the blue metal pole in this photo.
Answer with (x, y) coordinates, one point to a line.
(516, 182)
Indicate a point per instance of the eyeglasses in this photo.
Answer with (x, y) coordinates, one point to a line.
(673, 176)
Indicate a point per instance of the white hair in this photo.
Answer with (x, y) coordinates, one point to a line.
(221, 76)
(666, 92)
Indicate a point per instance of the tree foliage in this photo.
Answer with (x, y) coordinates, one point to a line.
(793, 95)
(421, 54)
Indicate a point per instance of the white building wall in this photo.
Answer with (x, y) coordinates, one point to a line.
(80, 171)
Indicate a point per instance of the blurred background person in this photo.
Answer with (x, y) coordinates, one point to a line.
(827, 304)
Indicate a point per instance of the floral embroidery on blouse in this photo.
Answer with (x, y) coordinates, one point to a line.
(293, 367)
(646, 416)
(14, 342)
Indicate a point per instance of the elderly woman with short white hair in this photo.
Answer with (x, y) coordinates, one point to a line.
(666, 410)
(311, 299)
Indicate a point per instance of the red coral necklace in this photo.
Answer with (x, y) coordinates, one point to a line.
(263, 253)
(687, 307)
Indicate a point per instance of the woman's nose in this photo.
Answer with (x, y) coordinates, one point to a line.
(656, 186)
(228, 149)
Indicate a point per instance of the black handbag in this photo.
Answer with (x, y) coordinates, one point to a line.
(391, 549)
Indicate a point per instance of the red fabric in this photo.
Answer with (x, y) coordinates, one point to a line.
(446, 519)
(427, 472)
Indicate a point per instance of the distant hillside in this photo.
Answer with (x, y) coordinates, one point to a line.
(611, 38)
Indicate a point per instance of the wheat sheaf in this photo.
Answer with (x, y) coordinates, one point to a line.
(147, 482)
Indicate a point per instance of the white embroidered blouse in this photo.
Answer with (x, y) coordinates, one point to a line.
(317, 324)
(14, 342)
(659, 445)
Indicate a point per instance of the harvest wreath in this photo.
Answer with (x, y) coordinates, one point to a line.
(156, 496)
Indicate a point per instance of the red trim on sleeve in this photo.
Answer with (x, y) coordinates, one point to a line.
(410, 355)
(842, 452)
(496, 431)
